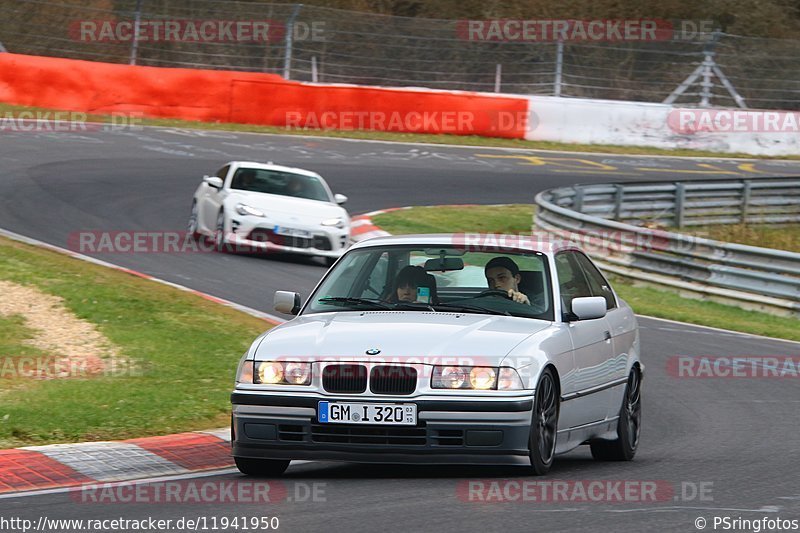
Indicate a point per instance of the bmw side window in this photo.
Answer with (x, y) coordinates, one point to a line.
(571, 280)
(597, 282)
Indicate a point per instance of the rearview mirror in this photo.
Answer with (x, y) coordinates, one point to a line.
(444, 264)
(340, 198)
(213, 181)
(589, 308)
(287, 302)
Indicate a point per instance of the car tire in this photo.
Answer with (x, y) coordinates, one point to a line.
(623, 448)
(544, 424)
(193, 225)
(261, 467)
(220, 242)
(329, 261)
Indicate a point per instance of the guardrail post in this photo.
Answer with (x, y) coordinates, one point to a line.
(577, 203)
(746, 192)
(618, 194)
(680, 200)
(287, 59)
(137, 22)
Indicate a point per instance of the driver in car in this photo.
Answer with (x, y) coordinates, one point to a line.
(502, 274)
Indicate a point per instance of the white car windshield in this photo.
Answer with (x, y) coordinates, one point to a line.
(437, 278)
(278, 182)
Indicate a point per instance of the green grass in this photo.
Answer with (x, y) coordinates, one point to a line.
(517, 219)
(186, 350)
(461, 140)
(778, 236)
(454, 219)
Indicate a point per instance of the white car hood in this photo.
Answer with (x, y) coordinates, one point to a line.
(276, 206)
(401, 336)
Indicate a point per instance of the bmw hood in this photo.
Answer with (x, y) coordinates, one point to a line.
(281, 207)
(400, 336)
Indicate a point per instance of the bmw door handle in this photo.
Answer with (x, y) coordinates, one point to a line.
(607, 335)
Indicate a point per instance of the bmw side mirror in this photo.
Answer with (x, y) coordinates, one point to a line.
(213, 181)
(340, 198)
(287, 302)
(589, 308)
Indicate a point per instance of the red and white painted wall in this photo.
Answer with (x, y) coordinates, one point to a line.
(268, 99)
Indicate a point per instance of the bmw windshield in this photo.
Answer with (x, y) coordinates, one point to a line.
(437, 279)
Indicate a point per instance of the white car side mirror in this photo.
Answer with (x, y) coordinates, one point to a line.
(213, 181)
(589, 308)
(340, 198)
(287, 302)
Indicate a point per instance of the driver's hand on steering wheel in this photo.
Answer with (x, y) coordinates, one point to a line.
(518, 297)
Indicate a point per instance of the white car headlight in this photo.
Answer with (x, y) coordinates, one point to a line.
(482, 378)
(509, 380)
(244, 209)
(450, 377)
(464, 377)
(245, 374)
(337, 222)
(279, 373)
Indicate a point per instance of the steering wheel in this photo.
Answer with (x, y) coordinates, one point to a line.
(495, 292)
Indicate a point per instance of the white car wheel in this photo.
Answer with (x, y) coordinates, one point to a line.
(192, 227)
(219, 234)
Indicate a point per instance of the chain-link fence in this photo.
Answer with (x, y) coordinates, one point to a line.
(311, 43)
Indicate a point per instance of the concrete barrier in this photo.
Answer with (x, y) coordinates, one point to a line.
(584, 121)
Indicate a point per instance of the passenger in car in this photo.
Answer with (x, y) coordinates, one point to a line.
(502, 274)
(408, 280)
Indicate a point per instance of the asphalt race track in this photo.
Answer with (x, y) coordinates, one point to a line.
(714, 447)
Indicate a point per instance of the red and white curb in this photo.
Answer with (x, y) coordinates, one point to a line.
(362, 227)
(68, 465)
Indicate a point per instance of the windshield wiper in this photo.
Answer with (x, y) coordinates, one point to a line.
(471, 309)
(358, 301)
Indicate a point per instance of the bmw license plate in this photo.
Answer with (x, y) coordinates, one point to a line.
(292, 232)
(400, 414)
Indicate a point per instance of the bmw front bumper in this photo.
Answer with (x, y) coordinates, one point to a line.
(448, 430)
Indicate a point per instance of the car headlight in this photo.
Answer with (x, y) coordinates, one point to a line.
(337, 222)
(464, 377)
(509, 380)
(280, 373)
(244, 209)
(245, 373)
(482, 378)
(450, 377)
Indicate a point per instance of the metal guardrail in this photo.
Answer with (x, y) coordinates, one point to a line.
(620, 224)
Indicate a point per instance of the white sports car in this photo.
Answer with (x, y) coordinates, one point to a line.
(254, 206)
(427, 349)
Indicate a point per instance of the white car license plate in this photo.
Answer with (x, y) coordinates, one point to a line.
(400, 414)
(292, 232)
